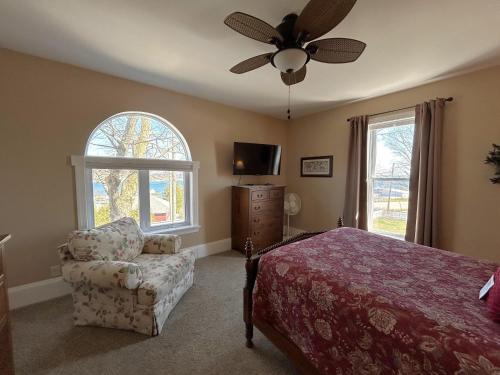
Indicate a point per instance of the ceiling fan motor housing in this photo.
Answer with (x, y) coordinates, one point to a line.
(285, 28)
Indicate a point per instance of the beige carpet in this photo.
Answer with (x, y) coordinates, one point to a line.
(203, 335)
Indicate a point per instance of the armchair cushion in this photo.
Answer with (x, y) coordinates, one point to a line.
(161, 274)
(161, 244)
(103, 274)
(119, 240)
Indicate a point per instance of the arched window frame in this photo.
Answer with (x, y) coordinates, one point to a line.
(84, 164)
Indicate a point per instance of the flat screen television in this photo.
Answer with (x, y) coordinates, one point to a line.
(256, 159)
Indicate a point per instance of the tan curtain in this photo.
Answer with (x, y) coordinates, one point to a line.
(422, 225)
(355, 206)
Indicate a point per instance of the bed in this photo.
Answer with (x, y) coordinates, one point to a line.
(352, 302)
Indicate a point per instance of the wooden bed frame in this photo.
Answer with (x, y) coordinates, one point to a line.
(282, 342)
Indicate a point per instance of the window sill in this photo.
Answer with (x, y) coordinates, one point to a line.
(176, 230)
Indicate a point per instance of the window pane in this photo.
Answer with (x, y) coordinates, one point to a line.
(166, 197)
(392, 151)
(389, 154)
(389, 208)
(116, 195)
(136, 135)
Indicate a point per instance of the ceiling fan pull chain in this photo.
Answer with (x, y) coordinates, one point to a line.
(288, 112)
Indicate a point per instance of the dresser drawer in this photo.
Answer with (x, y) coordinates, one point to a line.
(275, 226)
(266, 206)
(260, 195)
(276, 193)
(274, 230)
(262, 241)
(260, 221)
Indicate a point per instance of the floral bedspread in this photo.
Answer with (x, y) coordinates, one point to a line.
(360, 303)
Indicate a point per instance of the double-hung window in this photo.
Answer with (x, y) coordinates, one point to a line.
(137, 165)
(390, 143)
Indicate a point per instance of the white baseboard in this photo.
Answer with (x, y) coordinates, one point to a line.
(28, 294)
(44, 290)
(211, 248)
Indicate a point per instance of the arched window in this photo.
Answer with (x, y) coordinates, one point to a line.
(137, 135)
(137, 165)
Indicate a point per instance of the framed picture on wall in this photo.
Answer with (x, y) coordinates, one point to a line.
(316, 166)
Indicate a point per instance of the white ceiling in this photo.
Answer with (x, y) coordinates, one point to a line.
(184, 46)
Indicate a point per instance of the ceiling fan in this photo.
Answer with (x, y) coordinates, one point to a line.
(316, 19)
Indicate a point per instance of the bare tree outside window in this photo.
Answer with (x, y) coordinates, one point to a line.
(132, 136)
(399, 140)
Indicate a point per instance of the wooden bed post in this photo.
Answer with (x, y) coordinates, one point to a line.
(250, 267)
(340, 222)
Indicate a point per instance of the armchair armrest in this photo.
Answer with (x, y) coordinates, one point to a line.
(103, 273)
(64, 254)
(161, 244)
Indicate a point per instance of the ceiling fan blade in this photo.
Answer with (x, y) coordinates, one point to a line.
(320, 16)
(294, 78)
(335, 50)
(253, 27)
(251, 63)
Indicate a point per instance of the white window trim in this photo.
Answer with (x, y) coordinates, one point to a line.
(83, 168)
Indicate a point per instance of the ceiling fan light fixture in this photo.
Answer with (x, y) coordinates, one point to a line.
(290, 59)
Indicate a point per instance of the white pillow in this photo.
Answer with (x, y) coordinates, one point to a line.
(119, 240)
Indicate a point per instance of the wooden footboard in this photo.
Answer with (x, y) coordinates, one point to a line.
(280, 341)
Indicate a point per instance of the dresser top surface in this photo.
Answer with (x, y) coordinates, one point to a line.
(259, 187)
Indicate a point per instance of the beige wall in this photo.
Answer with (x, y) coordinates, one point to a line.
(470, 220)
(47, 112)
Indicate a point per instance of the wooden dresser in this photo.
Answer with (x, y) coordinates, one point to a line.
(6, 358)
(257, 212)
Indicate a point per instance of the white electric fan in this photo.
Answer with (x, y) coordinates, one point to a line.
(292, 208)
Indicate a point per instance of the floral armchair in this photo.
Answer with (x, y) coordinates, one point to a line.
(125, 279)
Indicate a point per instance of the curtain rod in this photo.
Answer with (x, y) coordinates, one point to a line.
(450, 99)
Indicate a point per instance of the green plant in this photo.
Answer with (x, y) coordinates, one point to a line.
(179, 200)
(494, 159)
(102, 215)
